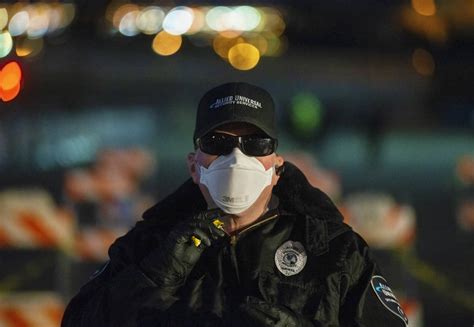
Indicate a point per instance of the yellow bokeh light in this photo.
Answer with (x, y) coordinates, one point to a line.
(222, 44)
(3, 18)
(259, 42)
(424, 7)
(244, 56)
(166, 44)
(28, 47)
(434, 28)
(423, 62)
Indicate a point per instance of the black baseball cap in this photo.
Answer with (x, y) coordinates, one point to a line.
(236, 102)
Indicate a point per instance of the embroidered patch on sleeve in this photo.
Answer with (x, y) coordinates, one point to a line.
(385, 295)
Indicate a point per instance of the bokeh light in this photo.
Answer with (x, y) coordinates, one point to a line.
(259, 42)
(222, 44)
(248, 18)
(424, 7)
(199, 21)
(178, 21)
(275, 45)
(433, 28)
(26, 47)
(121, 12)
(244, 56)
(128, 26)
(166, 44)
(3, 18)
(273, 22)
(149, 20)
(39, 20)
(242, 18)
(6, 44)
(306, 114)
(423, 62)
(19, 23)
(216, 18)
(10, 81)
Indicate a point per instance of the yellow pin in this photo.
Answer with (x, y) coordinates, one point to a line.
(219, 224)
(196, 241)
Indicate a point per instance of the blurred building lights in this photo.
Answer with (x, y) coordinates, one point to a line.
(6, 44)
(10, 81)
(222, 27)
(244, 56)
(3, 18)
(149, 20)
(424, 7)
(423, 62)
(28, 23)
(166, 44)
(178, 21)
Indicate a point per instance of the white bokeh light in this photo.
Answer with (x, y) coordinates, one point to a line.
(128, 26)
(248, 18)
(178, 21)
(39, 22)
(149, 20)
(216, 18)
(19, 23)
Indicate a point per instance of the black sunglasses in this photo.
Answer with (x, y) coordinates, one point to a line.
(251, 145)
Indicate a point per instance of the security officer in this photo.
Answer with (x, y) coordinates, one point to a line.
(245, 242)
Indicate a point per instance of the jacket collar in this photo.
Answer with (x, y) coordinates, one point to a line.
(294, 192)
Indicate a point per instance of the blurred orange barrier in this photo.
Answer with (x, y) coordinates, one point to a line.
(413, 310)
(382, 222)
(93, 243)
(30, 219)
(43, 309)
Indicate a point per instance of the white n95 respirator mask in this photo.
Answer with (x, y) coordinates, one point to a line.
(235, 181)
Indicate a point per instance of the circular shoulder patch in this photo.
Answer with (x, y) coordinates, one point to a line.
(290, 258)
(386, 296)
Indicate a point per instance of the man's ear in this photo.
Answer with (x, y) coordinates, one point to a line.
(279, 161)
(192, 167)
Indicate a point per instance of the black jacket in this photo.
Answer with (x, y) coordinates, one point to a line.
(339, 284)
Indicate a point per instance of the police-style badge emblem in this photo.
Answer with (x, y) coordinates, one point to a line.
(290, 258)
(386, 296)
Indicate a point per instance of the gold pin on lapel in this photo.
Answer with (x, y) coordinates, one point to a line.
(196, 241)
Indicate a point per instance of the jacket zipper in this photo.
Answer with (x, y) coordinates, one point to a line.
(235, 238)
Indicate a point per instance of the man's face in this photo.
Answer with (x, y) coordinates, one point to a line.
(204, 159)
